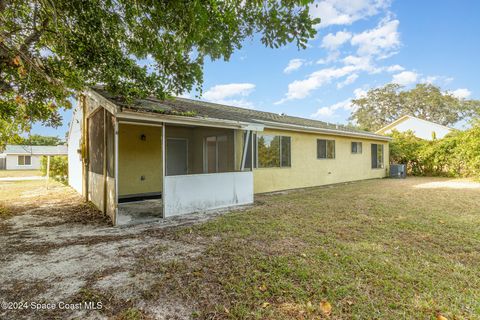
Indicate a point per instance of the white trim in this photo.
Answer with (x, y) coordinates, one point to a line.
(299, 128)
(153, 117)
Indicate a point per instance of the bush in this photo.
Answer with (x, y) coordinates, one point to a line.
(456, 155)
(58, 168)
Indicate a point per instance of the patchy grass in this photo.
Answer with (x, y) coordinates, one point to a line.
(378, 249)
(19, 173)
(373, 249)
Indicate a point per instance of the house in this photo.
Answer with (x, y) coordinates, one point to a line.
(152, 158)
(21, 157)
(423, 129)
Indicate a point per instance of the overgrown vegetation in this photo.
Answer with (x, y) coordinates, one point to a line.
(456, 155)
(51, 49)
(381, 106)
(58, 168)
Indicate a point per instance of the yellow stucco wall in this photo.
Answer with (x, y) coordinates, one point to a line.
(138, 158)
(308, 171)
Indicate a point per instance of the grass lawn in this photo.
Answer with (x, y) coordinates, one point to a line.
(19, 173)
(377, 249)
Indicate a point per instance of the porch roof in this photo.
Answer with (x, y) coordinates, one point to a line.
(209, 111)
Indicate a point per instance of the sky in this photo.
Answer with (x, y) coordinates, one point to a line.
(360, 44)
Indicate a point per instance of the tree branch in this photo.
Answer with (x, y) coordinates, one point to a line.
(33, 37)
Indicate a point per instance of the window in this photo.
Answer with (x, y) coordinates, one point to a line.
(273, 151)
(216, 151)
(24, 160)
(356, 147)
(325, 149)
(377, 156)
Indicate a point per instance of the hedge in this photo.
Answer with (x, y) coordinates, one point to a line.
(58, 168)
(456, 155)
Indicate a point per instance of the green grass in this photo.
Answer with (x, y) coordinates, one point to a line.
(379, 249)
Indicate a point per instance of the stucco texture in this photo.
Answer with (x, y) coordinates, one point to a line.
(307, 171)
(137, 158)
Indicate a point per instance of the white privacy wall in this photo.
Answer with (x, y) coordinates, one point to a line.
(74, 159)
(200, 192)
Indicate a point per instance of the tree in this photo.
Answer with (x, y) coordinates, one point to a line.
(384, 105)
(39, 140)
(51, 49)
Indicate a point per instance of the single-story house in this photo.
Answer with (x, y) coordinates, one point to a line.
(421, 128)
(172, 157)
(22, 157)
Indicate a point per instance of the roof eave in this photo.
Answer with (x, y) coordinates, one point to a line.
(293, 127)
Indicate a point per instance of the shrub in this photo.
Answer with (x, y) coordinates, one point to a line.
(456, 155)
(58, 168)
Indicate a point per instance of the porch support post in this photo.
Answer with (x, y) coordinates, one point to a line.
(245, 149)
(116, 170)
(163, 170)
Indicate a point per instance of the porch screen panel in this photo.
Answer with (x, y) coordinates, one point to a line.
(211, 145)
(222, 154)
(96, 142)
(110, 131)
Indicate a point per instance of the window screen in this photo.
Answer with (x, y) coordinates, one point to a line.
(356, 147)
(377, 156)
(325, 149)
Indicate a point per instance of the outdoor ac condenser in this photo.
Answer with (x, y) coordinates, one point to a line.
(398, 171)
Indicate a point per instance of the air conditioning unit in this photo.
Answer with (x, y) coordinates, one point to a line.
(398, 171)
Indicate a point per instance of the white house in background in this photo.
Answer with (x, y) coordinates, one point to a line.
(20, 157)
(423, 129)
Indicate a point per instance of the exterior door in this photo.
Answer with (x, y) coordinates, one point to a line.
(177, 157)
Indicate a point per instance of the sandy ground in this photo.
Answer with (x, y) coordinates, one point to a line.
(49, 255)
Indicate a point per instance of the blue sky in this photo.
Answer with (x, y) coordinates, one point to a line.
(361, 44)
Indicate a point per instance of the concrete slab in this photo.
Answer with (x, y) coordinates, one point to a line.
(138, 212)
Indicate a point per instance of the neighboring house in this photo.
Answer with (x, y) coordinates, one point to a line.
(182, 156)
(20, 157)
(423, 129)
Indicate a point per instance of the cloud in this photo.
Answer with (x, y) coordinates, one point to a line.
(395, 68)
(329, 112)
(293, 65)
(333, 41)
(462, 93)
(223, 91)
(231, 94)
(405, 78)
(349, 80)
(381, 41)
(345, 12)
(300, 89)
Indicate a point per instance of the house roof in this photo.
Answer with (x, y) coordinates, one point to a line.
(207, 110)
(403, 119)
(36, 150)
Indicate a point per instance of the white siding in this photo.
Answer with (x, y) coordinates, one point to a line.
(422, 129)
(12, 163)
(74, 158)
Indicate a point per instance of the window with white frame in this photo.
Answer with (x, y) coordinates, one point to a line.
(377, 156)
(24, 160)
(273, 151)
(356, 147)
(325, 149)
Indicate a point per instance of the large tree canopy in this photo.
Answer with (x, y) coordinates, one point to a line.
(51, 49)
(381, 106)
